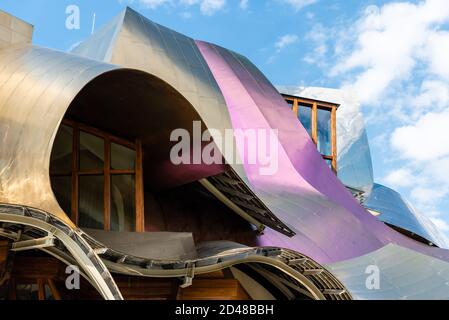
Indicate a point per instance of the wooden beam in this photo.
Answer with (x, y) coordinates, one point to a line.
(41, 289)
(97, 132)
(296, 108)
(107, 185)
(54, 290)
(334, 138)
(75, 177)
(315, 123)
(140, 206)
(6, 264)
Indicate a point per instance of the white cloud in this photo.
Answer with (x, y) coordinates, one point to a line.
(428, 139)
(299, 4)
(285, 41)
(244, 4)
(440, 224)
(207, 7)
(400, 178)
(391, 42)
(319, 36)
(423, 196)
(396, 57)
(153, 4)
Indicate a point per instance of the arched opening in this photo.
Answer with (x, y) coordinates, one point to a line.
(111, 169)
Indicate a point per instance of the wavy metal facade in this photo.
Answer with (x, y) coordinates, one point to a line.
(325, 228)
(398, 212)
(355, 165)
(355, 168)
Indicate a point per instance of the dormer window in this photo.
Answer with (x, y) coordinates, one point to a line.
(319, 120)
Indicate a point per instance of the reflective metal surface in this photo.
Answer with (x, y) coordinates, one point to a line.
(403, 273)
(397, 211)
(37, 86)
(14, 30)
(133, 41)
(225, 90)
(330, 225)
(70, 246)
(355, 167)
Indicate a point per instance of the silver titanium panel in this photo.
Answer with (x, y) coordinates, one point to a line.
(14, 30)
(354, 162)
(136, 42)
(404, 274)
(397, 211)
(37, 86)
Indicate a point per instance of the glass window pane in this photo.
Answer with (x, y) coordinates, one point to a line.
(91, 152)
(123, 203)
(48, 294)
(324, 131)
(305, 116)
(27, 292)
(62, 188)
(290, 103)
(329, 163)
(91, 195)
(61, 155)
(122, 157)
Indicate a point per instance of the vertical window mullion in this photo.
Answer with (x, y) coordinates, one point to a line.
(139, 193)
(75, 177)
(334, 138)
(107, 183)
(295, 108)
(315, 123)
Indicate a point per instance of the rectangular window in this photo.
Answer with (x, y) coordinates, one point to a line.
(91, 200)
(305, 116)
(62, 151)
(319, 120)
(122, 157)
(62, 187)
(98, 178)
(123, 203)
(324, 131)
(91, 152)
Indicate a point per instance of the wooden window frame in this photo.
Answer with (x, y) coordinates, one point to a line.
(315, 105)
(107, 172)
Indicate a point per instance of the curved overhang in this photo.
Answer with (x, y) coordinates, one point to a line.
(37, 85)
(133, 104)
(355, 168)
(133, 41)
(396, 211)
(303, 192)
(27, 227)
(394, 273)
(330, 225)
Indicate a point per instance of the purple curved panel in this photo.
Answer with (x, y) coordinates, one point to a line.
(304, 193)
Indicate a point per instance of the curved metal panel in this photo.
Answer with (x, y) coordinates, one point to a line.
(299, 192)
(397, 211)
(138, 43)
(37, 86)
(298, 269)
(330, 225)
(72, 243)
(355, 168)
(403, 274)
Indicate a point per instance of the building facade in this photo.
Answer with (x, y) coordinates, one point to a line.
(87, 179)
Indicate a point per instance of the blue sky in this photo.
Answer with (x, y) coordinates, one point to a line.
(393, 54)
